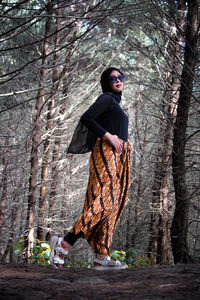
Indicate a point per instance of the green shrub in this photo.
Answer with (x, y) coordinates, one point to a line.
(19, 246)
(41, 251)
(131, 259)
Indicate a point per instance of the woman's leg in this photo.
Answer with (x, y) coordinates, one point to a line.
(99, 200)
(102, 237)
(105, 197)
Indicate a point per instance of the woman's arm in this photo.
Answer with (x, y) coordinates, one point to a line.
(101, 105)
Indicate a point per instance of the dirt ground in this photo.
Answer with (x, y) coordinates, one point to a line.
(33, 282)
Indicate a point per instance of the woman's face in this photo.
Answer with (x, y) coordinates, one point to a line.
(118, 85)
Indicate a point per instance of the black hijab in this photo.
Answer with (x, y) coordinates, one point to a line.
(105, 83)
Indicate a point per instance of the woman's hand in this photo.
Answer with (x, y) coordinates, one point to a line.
(115, 141)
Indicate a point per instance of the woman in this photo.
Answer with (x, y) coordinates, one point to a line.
(106, 124)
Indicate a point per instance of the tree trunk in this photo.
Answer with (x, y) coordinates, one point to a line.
(35, 143)
(49, 127)
(3, 186)
(4, 179)
(57, 143)
(159, 243)
(58, 134)
(179, 228)
(139, 189)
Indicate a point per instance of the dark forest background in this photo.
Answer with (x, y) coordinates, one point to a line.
(52, 54)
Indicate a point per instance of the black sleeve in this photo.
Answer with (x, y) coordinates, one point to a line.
(101, 105)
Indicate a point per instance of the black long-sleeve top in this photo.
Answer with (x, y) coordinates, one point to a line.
(106, 115)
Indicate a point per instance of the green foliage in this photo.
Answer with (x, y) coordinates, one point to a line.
(131, 259)
(78, 264)
(19, 246)
(41, 251)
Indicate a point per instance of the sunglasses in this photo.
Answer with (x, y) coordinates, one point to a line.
(113, 79)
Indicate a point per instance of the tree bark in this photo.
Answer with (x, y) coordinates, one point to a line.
(36, 141)
(179, 228)
(64, 75)
(57, 143)
(159, 242)
(49, 127)
(139, 184)
(4, 186)
(4, 179)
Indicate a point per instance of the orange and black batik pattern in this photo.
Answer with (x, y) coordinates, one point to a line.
(106, 195)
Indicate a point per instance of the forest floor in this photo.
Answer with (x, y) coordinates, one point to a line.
(33, 282)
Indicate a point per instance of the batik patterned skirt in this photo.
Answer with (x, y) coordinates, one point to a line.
(106, 195)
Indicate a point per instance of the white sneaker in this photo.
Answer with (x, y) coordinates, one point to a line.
(56, 250)
(108, 264)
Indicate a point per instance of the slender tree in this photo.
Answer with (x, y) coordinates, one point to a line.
(36, 138)
(159, 243)
(4, 179)
(179, 228)
(49, 128)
